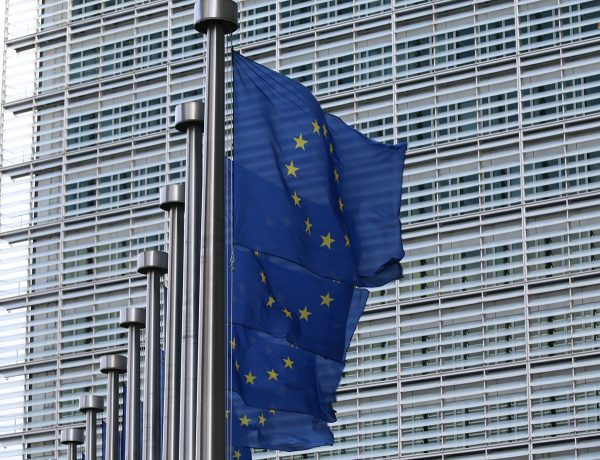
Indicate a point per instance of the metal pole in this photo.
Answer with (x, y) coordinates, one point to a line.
(172, 198)
(153, 264)
(112, 365)
(133, 319)
(215, 18)
(71, 437)
(90, 405)
(189, 117)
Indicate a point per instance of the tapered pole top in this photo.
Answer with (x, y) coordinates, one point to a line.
(152, 260)
(91, 403)
(113, 363)
(189, 113)
(224, 12)
(172, 195)
(71, 436)
(132, 316)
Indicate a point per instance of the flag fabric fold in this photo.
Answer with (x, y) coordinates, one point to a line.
(286, 301)
(312, 217)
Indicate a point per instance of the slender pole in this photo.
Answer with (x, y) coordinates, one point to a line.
(72, 452)
(90, 441)
(153, 264)
(90, 405)
(112, 365)
(172, 198)
(215, 18)
(133, 319)
(189, 118)
(112, 416)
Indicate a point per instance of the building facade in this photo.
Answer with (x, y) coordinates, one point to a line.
(488, 348)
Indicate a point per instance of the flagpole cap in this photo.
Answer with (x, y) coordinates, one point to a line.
(172, 195)
(152, 260)
(222, 12)
(113, 363)
(189, 113)
(132, 316)
(71, 436)
(91, 403)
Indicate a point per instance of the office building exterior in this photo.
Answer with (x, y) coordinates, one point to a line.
(489, 348)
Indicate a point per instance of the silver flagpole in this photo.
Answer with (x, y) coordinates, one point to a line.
(189, 118)
(133, 319)
(90, 405)
(215, 18)
(71, 437)
(112, 365)
(172, 198)
(153, 264)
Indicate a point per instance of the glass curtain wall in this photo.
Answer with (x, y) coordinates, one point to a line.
(488, 348)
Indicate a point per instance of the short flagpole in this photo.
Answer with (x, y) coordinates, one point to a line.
(112, 365)
(90, 405)
(189, 118)
(133, 319)
(172, 198)
(153, 264)
(215, 18)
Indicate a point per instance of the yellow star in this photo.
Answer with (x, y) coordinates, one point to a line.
(288, 363)
(296, 199)
(233, 343)
(347, 238)
(263, 277)
(286, 312)
(324, 130)
(272, 374)
(300, 143)
(271, 301)
(291, 169)
(261, 420)
(304, 314)
(272, 411)
(316, 127)
(237, 365)
(250, 378)
(237, 455)
(330, 149)
(341, 204)
(227, 412)
(327, 240)
(256, 253)
(308, 225)
(326, 300)
(245, 421)
(336, 175)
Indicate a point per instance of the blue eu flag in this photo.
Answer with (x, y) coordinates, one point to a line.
(316, 210)
(329, 197)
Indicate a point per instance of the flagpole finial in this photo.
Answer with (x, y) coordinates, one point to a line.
(152, 260)
(172, 195)
(71, 436)
(132, 316)
(189, 113)
(225, 12)
(113, 363)
(89, 403)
